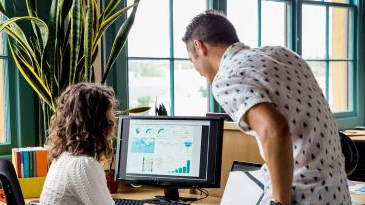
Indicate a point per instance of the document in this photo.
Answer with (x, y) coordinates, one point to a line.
(357, 189)
(243, 188)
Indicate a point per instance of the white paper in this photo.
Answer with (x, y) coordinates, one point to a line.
(357, 189)
(240, 189)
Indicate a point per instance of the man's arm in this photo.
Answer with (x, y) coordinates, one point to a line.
(274, 134)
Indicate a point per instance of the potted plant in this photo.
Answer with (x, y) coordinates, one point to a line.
(62, 51)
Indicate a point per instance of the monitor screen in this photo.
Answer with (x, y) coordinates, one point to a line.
(170, 152)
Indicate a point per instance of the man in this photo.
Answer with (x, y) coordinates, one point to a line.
(272, 91)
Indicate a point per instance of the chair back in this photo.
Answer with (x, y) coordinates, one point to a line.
(10, 183)
(350, 153)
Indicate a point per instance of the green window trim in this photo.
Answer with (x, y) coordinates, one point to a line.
(345, 119)
(22, 103)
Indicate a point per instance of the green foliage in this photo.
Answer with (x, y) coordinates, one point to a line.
(148, 69)
(144, 100)
(62, 51)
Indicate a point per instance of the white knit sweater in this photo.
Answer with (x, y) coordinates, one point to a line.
(75, 180)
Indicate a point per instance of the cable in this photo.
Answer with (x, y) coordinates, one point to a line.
(202, 191)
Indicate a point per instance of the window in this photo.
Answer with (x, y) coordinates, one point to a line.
(326, 45)
(259, 22)
(322, 31)
(326, 30)
(158, 65)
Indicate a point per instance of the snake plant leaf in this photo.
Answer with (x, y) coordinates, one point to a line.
(51, 52)
(31, 77)
(75, 38)
(65, 6)
(12, 24)
(30, 7)
(88, 38)
(106, 23)
(96, 17)
(15, 32)
(2, 9)
(109, 9)
(80, 68)
(11, 28)
(37, 52)
(24, 44)
(135, 110)
(65, 38)
(32, 12)
(64, 72)
(120, 41)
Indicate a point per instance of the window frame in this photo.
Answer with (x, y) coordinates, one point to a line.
(171, 59)
(351, 118)
(344, 119)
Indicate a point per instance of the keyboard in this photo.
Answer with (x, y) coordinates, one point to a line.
(141, 202)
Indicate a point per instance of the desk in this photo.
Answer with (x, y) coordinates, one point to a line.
(142, 193)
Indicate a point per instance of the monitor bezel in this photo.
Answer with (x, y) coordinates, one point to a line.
(215, 152)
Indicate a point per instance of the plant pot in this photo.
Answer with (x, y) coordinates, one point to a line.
(112, 185)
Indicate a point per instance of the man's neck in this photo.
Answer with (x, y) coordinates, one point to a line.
(216, 56)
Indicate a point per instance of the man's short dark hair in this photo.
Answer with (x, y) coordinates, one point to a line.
(211, 27)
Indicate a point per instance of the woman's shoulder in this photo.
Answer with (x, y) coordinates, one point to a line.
(77, 160)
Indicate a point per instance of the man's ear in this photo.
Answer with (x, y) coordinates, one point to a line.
(200, 48)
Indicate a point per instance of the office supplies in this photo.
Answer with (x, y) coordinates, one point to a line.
(244, 184)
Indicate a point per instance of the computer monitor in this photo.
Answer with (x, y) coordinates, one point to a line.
(170, 152)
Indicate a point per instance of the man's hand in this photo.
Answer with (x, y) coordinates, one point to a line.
(274, 134)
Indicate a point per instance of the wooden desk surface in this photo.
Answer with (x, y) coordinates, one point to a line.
(144, 193)
(150, 193)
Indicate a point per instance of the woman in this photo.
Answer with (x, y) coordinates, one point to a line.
(79, 135)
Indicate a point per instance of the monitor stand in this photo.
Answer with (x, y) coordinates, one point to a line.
(173, 195)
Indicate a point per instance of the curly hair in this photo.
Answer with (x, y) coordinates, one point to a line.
(83, 122)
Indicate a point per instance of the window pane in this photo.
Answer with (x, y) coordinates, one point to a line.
(314, 32)
(338, 1)
(244, 16)
(319, 71)
(339, 33)
(191, 92)
(147, 80)
(339, 88)
(273, 23)
(184, 11)
(149, 36)
(2, 104)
